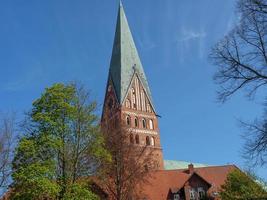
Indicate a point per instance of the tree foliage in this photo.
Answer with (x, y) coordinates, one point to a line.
(62, 144)
(241, 56)
(239, 185)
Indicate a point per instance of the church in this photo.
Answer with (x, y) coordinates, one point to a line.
(128, 88)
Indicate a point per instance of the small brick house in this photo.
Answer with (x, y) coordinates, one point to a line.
(187, 184)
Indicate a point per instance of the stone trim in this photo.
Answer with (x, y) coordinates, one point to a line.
(134, 130)
(139, 115)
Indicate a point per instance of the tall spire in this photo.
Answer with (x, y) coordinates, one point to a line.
(125, 61)
(127, 86)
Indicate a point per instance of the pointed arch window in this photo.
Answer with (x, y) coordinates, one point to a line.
(136, 122)
(131, 139)
(133, 98)
(128, 103)
(137, 139)
(144, 123)
(128, 120)
(147, 141)
(151, 124)
(143, 100)
(133, 91)
(152, 141)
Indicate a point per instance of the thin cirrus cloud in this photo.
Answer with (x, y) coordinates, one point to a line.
(186, 42)
(192, 41)
(191, 35)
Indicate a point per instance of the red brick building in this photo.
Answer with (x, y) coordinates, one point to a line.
(128, 99)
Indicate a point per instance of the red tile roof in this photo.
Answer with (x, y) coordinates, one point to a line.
(161, 182)
(216, 175)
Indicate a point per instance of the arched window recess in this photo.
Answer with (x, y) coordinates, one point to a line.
(147, 141)
(128, 120)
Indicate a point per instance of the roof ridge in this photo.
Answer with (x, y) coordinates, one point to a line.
(217, 166)
(184, 161)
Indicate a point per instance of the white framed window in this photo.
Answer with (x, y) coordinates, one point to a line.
(192, 193)
(176, 197)
(201, 192)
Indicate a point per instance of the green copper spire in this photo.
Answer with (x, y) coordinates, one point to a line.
(125, 61)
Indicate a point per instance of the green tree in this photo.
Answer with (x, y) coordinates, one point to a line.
(62, 145)
(239, 185)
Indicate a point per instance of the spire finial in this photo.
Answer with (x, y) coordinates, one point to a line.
(120, 3)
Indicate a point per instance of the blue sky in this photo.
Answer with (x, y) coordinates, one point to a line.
(44, 42)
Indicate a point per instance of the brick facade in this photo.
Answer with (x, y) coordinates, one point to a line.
(141, 119)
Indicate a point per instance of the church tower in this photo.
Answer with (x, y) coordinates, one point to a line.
(128, 97)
